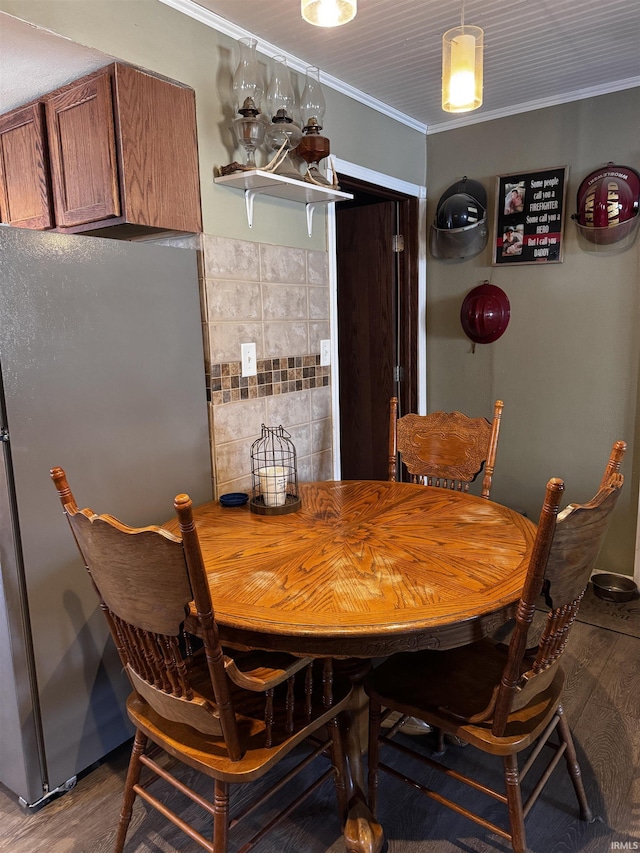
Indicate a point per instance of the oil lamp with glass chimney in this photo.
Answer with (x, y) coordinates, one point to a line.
(313, 147)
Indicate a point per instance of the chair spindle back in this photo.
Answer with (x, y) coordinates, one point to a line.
(566, 549)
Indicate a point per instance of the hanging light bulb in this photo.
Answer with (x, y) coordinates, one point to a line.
(328, 13)
(462, 53)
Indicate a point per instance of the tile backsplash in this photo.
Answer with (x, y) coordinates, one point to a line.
(274, 376)
(278, 298)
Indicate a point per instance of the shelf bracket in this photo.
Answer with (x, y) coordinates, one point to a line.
(310, 206)
(249, 196)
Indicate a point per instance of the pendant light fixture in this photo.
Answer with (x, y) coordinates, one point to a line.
(328, 13)
(462, 54)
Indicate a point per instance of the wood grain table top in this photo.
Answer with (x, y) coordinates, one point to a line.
(364, 569)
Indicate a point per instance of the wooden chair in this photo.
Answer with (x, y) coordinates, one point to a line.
(444, 449)
(231, 717)
(504, 699)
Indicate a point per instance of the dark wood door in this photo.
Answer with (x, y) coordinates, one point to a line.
(377, 320)
(366, 336)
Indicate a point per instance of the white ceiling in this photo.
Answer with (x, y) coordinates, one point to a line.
(536, 53)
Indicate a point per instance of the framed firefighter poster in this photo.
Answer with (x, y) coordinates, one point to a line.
(530, 217)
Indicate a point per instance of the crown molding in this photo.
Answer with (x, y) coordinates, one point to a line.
(210, 19)
(529, 106)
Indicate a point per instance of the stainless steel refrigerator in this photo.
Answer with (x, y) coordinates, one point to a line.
(102, 373)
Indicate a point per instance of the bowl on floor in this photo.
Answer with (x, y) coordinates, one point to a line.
(611, 587)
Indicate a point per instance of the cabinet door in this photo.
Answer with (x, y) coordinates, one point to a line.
(25, 194)
(84, 170)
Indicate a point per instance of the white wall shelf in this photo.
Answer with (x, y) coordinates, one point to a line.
(256, 182)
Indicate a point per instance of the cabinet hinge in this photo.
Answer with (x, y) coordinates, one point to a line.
(398, 243)
(398, 373)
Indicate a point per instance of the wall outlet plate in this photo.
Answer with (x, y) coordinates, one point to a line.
(249, 363)
(325, 352)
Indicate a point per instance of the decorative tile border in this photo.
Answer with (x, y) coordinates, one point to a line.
(275, 376)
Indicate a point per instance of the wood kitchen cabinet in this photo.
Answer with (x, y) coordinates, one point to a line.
(121, 155)
(25, 188)
(82, 142)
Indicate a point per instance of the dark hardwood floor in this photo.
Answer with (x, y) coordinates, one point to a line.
(602, 702)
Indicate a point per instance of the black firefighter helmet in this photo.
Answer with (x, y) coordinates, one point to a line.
(459, 230)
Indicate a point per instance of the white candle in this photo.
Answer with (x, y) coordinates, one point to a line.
(273, 485)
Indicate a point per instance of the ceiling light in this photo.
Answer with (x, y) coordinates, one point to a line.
(462, 49)
(328, 13)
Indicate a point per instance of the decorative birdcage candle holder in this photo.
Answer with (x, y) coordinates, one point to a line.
(274, 473)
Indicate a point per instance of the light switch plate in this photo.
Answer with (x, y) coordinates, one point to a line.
(325, 353)
(249, 363)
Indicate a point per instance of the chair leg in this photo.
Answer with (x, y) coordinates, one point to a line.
(514, 803)
(129, 796)
(221, 817)
(375, 719)
(338, 762)
(573, 767)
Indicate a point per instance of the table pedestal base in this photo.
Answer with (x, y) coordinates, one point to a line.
(362, 832)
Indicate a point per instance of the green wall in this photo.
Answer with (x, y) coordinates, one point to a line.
(154, 36)
(567, 366)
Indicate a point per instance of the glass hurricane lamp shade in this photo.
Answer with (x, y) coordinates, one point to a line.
(280, 94)
(248, 81)
(312, 103)
(328, 13)
(283, 133)
(248, 92)
(284, 130)
(462, 54)
(313, 147)
(249, 130)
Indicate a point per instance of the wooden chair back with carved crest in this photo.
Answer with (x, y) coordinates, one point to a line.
(504, 700)
(146, 579)
(229, 715)
(567, 547)
(444, 449)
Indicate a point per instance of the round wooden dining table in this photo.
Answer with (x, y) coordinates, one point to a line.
(363, 569)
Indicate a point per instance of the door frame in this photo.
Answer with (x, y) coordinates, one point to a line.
(636, 571)
(418, 191)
